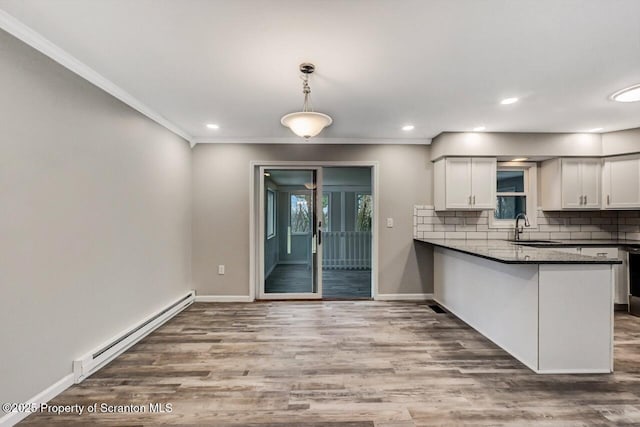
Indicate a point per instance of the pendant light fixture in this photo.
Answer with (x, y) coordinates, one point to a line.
(306, 123)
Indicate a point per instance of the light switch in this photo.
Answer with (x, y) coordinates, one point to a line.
(221, 269)
(389, 222)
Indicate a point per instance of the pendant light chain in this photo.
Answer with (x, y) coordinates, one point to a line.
(306, 89)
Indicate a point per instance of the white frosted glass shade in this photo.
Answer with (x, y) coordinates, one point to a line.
(306, 124)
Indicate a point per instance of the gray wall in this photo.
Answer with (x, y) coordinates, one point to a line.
(94, 219)
(335, 216)
(621, 142)
(535, 144)
(516, 144)
(350, 206)
(221, 210)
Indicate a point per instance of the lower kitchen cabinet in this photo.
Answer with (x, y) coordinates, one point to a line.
(621, 292)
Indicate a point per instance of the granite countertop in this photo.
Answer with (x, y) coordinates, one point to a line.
(510, 253)
(584, 243)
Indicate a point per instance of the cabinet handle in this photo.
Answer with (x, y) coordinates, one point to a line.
(607, 199)
(585, 200)
(469, 200)
(580, 202)
(474, 200)
(602, 254)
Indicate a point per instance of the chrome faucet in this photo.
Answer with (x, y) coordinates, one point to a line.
(520, 230)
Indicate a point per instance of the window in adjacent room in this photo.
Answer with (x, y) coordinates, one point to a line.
(325, 212)
(271, 213)
(515, 194)
(300, 218)
(364, 206)
(301, 214)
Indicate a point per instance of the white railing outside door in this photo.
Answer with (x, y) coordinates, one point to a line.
(348, 250)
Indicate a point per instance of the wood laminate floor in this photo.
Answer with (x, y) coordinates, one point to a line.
(346, 364)
(336, 284)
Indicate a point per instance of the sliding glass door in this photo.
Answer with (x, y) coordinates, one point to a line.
(291, 222)
(347, 248)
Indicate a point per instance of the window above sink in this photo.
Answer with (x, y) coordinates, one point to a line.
(515, 193)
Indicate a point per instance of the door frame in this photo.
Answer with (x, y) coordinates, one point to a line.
(316, 266)
(256, 264)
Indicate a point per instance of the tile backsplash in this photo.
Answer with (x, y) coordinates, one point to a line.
(565, 225)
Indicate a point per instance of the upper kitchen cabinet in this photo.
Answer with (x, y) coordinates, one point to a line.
(621, 182)
(571, 183)
(465, 183)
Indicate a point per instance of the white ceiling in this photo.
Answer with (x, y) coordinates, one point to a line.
(440, 65)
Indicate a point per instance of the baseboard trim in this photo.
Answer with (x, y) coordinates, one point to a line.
(88, 365)
(403, 297)
(223, 298)
(93, 361)
(620, 307)
(13, 418)
(273, 267)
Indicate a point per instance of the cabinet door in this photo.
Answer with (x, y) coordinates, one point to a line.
(458, 183)
(483, 183)
(622, 183)
(620, 277)
(571, 188)
(590, 178)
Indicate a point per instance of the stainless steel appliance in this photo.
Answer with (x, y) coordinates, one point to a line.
(634, 281)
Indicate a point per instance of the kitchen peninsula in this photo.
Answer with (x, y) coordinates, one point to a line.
(551, 310)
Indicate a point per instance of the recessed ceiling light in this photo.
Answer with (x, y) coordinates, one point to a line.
(479, 128)
(595, 130)
(629, 94)
(408, 127)
(212, 126)
(508, 101)
(520, 159)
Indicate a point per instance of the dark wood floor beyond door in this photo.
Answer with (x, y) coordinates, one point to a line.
(346, 364)
(338, 284)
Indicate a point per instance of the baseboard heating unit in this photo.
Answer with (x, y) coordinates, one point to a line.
(96, 359)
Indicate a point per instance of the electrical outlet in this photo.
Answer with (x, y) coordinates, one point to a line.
(221, 269)
(389, 222)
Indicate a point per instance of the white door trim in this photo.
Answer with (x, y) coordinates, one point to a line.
(254, 229)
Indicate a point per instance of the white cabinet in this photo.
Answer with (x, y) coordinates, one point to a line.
(483, 183)
(457, 183)
(621, 284)
(621, 182)
(465, 183)
(621, 289)
(571, 183)
(571, 188)
(591, 178)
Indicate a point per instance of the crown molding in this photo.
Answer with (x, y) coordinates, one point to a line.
(37, 41)
(313, 141)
